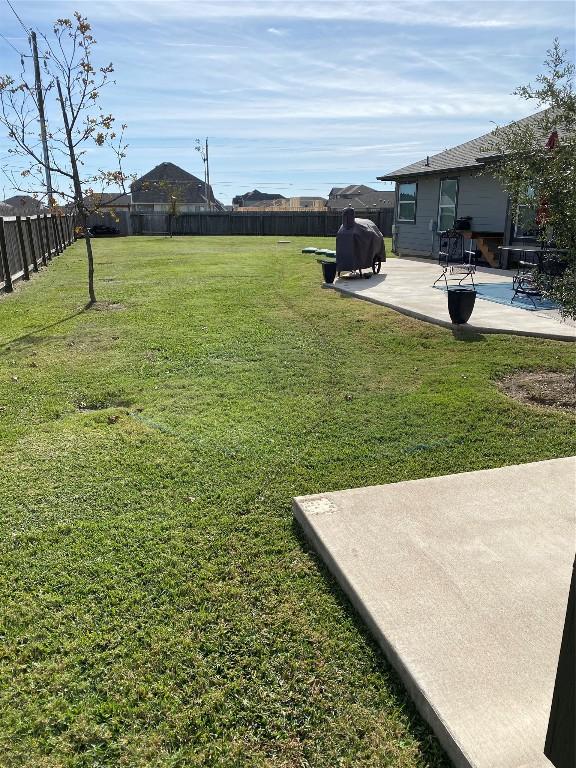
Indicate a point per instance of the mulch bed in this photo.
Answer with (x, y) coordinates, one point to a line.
(548, 389)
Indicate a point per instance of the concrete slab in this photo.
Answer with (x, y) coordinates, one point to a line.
(406, 286)
(463, 580)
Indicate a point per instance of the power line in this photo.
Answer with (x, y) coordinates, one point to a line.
(10, 44)
(24, 27)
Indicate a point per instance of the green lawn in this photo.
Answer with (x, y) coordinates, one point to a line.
(159, 606)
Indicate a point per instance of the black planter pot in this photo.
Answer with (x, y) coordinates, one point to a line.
(328, 270)
(460, 304)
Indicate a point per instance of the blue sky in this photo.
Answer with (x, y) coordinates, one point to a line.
(299, 96)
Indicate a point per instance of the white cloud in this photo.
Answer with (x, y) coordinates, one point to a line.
(358, 91)
(437, 13)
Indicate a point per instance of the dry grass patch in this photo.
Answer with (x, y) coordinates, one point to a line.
(548, 389)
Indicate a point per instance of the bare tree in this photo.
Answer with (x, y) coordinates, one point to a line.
(77, 121)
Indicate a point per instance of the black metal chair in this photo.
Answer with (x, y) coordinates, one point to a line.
(528, 265)
(454, 258)
(535, 270)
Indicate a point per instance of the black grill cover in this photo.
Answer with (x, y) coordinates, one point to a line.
(358, 245)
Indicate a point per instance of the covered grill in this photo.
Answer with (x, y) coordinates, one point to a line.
(359, 245)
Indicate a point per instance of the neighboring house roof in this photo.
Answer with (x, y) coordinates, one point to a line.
(353, 190)
(107, 199)
(255, 196)
(335, 191)
(471, 154)
(24, 204)
(374, 199)
(285, 204)
(156, 185)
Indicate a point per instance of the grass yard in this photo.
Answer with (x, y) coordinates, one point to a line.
(159, 606)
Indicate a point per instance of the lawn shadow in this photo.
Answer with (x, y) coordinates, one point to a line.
(464, 333)
(369, 277)
(33, 338)
(429, 746)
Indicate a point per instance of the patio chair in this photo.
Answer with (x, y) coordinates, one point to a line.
(454, 258)
(528, 265)
(535, 270)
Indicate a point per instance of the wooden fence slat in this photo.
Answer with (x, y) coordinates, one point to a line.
(22, 246)
(54, 223)
(279, 223)
(47, 238)
(4, 260)
(31, 243)
(43, 256)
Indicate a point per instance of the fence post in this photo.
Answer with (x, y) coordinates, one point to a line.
(53, 221)
(21, 245)
(47, 237)
(41, 240)
(60, 234)
(8, 288)
(31, 241)
(60, 223)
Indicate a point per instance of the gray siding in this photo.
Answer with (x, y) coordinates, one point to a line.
(483, 198)
(480, 197)
(416, 239)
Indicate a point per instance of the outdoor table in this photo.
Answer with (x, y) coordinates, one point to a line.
(524, 249)
(523, 281)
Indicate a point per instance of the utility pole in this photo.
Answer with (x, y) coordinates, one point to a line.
(203, 149)
(40, 99)
(208, 178)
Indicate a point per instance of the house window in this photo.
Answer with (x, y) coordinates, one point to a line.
(447, 204)
(407, 202)
(526, 226)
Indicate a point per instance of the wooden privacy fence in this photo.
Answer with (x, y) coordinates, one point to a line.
(284, 223)
(29, 242)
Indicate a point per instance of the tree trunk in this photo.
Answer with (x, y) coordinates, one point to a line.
(88, 241)
(79, 198)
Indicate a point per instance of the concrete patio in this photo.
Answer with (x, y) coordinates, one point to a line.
(463, 580)
(406, 286)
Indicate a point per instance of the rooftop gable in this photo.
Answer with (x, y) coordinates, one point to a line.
(167, 179)
(471, 154)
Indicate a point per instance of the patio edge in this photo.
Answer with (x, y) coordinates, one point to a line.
(414, 690)
(447, 324)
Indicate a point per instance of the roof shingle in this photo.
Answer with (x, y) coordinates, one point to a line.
(471, 154)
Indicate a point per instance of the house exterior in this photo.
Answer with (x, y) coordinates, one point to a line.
(108, 201)
(300, 203)
(433, 193)
(155, 191)
(250, 198)
(25, 205)
(360, 197)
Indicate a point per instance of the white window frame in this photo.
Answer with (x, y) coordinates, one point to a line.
(454, 205)
(407, 202)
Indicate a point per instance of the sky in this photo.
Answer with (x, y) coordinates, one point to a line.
(297, 96)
